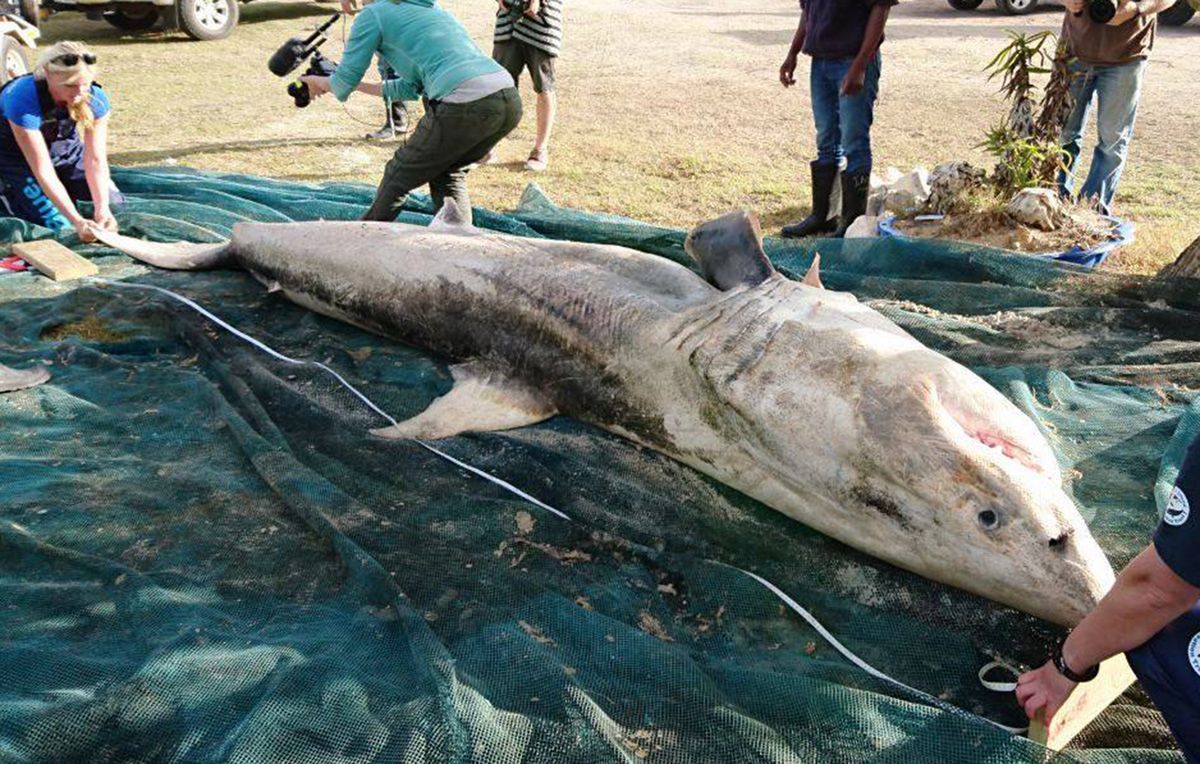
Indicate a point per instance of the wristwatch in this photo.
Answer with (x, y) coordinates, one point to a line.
(1061, 664)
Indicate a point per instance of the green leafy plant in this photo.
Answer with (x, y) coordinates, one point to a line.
(1027, 146)
(1025, 162)
(1056, 97)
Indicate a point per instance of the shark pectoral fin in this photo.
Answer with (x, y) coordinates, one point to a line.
(730, 252)
(12, 379)
(451, 217)
(478, 402)
(813, 276)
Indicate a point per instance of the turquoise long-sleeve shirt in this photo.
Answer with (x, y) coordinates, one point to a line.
(428, 49)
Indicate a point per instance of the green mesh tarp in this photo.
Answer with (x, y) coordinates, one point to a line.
(204, 557)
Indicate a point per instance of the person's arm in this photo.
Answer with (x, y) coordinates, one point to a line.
(787, 72)
(37, 156)
(364, 40)
(95, 169)
(853, 83)
(397, 89)
(1131, 8)
(1146, 597)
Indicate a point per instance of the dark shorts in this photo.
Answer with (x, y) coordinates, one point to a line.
(515, 55)
(22, 197)
(1168, 667)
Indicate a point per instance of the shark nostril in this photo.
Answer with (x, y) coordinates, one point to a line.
(1059, 542)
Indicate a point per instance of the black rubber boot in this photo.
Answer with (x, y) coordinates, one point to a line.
(823, 178)
(395, 126)
(855, 190)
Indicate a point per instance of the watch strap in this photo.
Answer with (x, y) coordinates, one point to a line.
(1060, 663)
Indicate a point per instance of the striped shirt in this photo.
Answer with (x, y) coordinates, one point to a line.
(543, 32)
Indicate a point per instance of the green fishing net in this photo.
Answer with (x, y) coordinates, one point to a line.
(205, 558)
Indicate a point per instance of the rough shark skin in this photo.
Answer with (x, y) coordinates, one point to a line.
(802, 398)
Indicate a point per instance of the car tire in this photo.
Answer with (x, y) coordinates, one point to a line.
(133, 19)
(965, 5)
(1178, 14)
(13, 60)
(207, 19)
(1017, 7)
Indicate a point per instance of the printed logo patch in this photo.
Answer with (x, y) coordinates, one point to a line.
(1178, 508)
(1194, 653)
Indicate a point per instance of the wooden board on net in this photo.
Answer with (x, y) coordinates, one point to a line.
(54, 260)
(1084, 704)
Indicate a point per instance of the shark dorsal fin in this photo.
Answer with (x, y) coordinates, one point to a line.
(451, 217)
(481, 400)
(730, 252)
(813, 276)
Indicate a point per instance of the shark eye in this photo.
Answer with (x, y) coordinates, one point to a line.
(988, 519)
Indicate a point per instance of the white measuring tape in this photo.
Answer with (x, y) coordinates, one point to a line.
(783, 596)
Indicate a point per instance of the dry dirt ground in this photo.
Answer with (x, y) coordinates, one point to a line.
(671, 112)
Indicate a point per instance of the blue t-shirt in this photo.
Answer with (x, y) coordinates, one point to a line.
(1177, 539)
(22, 105)
(836, 28)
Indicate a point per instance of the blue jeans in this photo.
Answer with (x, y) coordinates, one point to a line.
(843, 122)
(1168, 666)
(1116, 89)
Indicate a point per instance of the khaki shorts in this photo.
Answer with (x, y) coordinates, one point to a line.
(515, 55)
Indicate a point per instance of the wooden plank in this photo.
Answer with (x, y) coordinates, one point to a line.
(54, 260)
(1084, 704)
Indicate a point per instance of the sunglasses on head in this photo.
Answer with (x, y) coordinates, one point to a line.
(70, 59)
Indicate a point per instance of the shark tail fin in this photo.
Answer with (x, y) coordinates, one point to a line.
(175, 256)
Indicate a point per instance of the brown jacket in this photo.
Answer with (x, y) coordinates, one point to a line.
(1094, 43)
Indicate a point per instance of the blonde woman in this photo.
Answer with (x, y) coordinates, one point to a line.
(53, 138)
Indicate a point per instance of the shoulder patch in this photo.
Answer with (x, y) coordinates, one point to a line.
(1178, 508)
(1194, 653)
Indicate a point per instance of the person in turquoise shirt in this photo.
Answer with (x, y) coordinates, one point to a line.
(471, 102)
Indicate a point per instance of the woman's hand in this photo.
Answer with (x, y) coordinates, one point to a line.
(317, 85)
(104, 219)
(84, 230)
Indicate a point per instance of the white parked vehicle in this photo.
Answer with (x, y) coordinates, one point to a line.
(1177, 15)
(199, 19)
(18, 37)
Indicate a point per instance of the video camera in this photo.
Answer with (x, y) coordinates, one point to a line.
(294, 52)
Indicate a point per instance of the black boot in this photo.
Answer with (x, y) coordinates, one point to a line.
(856, 188)
(396, 124)
(823, 178)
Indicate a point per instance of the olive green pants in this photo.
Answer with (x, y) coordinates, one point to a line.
(448, 138)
